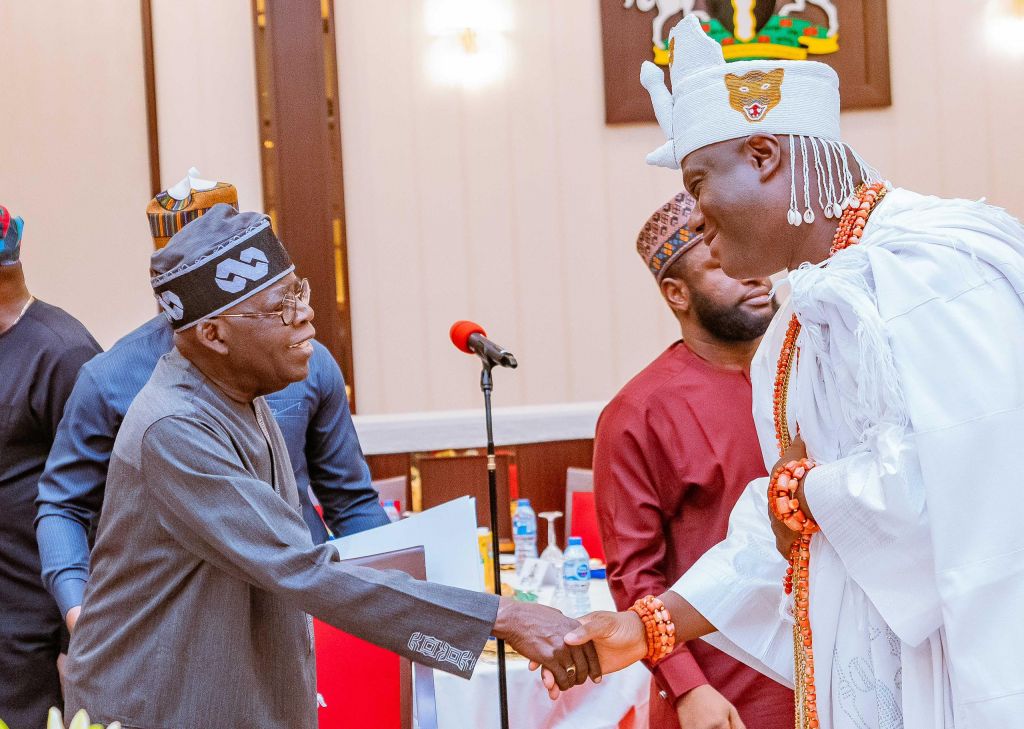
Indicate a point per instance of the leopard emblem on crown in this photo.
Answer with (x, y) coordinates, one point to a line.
(755, 93)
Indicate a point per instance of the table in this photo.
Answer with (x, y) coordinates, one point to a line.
(462, 704)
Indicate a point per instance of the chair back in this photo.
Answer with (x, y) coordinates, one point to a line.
(392, 489)
(447, 477)
(581, 511)
(356, 680)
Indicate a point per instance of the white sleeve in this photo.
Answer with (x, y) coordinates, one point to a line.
(961, 357)
(737, 587)
(876, 521)
(871, 502)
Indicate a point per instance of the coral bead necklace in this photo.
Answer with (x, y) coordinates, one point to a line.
(782, 490)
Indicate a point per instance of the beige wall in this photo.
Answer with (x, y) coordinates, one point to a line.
(958, 102)
(513, 204)
(206, 93)
(73, 159)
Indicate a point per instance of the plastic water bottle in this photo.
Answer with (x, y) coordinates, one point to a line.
(524, 532)
(576, 578)
(391, 510)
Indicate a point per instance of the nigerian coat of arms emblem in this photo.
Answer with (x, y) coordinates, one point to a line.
(749, 29)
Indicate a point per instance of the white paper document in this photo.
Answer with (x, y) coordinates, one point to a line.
(447, 534)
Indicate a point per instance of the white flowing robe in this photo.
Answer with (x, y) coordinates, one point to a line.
(909, 393)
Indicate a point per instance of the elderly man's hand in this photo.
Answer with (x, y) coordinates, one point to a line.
(538, 633)
(618, 637)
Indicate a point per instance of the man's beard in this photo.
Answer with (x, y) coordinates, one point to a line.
(730, 323)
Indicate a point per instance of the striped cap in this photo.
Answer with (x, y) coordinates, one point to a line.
(175, 207)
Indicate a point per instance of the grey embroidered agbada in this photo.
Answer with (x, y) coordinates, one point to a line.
(204, 574)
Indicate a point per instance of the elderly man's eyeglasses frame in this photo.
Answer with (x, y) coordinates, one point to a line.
(289, 306)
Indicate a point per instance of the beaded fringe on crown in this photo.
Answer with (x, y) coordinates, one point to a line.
(835, 180)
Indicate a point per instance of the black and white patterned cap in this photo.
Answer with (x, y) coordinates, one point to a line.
(215, 262)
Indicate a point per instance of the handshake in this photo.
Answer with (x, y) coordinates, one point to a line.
(568, 650)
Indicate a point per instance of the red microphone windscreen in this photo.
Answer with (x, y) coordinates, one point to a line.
(460, 332)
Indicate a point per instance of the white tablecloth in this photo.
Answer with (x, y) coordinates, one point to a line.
(473, 704)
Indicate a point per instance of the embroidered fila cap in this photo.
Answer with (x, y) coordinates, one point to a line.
(665, 236)
(712, 101)
(215, 262)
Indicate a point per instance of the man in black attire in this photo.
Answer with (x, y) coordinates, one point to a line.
(41, 350)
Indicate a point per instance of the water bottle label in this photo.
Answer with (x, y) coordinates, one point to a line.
(576, 572)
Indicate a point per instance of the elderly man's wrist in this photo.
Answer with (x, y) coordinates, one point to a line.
(507, 620)
(68, 592)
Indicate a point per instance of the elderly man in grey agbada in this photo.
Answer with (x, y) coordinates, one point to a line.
(204, 575)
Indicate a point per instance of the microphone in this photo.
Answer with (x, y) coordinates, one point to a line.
(472, 339)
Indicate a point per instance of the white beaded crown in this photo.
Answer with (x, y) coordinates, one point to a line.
(712, 101)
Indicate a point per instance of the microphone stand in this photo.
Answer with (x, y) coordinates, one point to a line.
(486, 386)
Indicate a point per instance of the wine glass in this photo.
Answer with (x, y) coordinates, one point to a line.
(551, 552)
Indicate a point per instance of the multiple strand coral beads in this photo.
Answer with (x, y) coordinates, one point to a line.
(659, 630)
(782, 489)
(783, 502)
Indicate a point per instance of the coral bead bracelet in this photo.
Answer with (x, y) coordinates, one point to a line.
(660, 631)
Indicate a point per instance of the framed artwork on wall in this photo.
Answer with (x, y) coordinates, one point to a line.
(849, 35)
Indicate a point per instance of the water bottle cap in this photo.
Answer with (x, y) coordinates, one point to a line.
(523, 502)
(575, 541)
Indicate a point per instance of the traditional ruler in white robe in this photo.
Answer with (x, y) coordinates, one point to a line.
(909, 393)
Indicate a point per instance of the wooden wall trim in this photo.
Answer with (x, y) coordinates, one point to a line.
(149, 75)
(300, 154)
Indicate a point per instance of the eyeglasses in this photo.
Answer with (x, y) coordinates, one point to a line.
(289, 306)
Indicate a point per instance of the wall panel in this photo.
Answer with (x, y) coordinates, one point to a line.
(73, 157)
(206, 93)
(516, 185)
